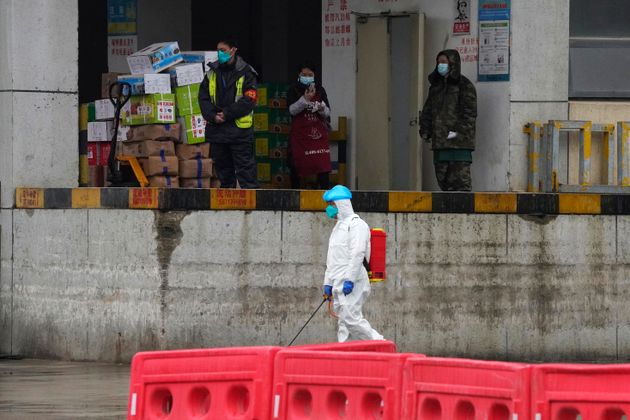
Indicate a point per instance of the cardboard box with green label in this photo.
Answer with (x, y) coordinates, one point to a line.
(193, 129)
(187, 100)
(157, 108)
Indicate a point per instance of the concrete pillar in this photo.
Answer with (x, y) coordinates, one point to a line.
(38, 115)
(38, 95)
(6, 277)
(539, 87)
(6, 165)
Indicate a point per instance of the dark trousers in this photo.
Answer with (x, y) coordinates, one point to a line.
(235, 161)
(453, 176)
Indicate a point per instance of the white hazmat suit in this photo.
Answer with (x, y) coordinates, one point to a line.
(349, 243)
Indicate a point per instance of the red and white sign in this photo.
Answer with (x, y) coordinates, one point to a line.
(198, 125)
(337, 29)
(461, 25)
(468, 49)
(166, 110)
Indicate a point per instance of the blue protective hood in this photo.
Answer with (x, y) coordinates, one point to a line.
(338, 192)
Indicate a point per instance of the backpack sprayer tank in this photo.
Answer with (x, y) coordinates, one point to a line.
(378, 257)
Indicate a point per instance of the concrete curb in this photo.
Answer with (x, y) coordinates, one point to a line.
(302, 200)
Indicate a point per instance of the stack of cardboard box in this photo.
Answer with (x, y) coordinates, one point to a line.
(155, 73)
(194, 154)
(154, 146)
(98, 137)
(150, 113)
(272, 124)
(97, 125)
(161, 113)
(84, 177)
(186, 79)
(195, 167)
(152, 101)
(163, 93)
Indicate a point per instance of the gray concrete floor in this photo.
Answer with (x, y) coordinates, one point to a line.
(43, 389)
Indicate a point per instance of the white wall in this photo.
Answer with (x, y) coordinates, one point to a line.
(538, 88)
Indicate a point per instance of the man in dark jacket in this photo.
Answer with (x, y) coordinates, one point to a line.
(227, 98)
(448, 122)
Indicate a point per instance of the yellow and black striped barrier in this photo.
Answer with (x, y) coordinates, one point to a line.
(309, 200)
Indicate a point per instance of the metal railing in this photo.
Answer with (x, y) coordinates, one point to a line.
(544, 156)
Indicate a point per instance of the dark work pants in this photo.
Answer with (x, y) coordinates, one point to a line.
(453, 176)
(235, 161)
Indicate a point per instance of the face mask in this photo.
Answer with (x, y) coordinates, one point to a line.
(224, 57)
(442, 69)
(307, 80)
(332, 211)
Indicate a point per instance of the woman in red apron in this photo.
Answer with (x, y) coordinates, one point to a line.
(309, 150)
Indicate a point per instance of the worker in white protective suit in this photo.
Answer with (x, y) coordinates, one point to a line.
(346, 281)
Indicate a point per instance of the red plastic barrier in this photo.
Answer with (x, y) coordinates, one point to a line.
(337, 385)
(225, 383)
(563, 392)
(462, 389)
(379, 346)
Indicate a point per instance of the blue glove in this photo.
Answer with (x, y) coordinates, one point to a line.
(327, 292)
(347, 287)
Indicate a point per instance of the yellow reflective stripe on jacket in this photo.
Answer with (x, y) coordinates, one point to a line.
(248, 120)
(213, 87)
(244, 122)
(239, 87)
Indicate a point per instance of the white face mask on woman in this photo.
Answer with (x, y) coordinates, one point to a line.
(306, 80)
(443, 69)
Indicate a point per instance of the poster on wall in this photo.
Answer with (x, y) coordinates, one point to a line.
(337, 29)
(494, 40)
(461, 24)
(121, 17)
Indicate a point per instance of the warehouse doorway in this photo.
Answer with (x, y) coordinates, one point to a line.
(389, 94)
(273, 38)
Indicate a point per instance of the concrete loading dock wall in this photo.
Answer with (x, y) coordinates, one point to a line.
(102, 284)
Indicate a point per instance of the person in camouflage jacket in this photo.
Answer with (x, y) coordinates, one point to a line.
(448, 122)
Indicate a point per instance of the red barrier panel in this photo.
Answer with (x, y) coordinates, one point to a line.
(563, 392)
(379, 346)
(337, 385)
(462, 389)
(225, 383)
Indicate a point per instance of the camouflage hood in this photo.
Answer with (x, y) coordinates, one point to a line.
(455, 67)
(450, 106)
